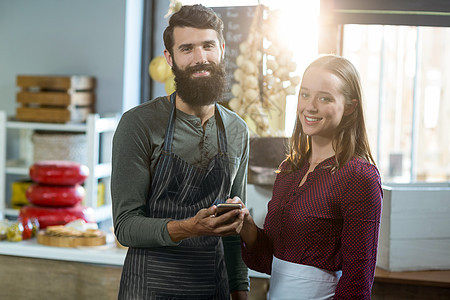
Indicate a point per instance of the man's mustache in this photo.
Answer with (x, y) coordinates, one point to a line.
(203, 67)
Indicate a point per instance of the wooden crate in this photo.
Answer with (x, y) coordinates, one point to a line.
(415, 227)
(64, 83)
(55, 99)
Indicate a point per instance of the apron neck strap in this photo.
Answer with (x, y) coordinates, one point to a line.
(221, 132)
(223, 146)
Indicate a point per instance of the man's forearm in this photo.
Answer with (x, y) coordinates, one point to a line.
(180, 230)
(239, 295)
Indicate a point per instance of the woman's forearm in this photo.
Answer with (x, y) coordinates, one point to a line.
(249, 232)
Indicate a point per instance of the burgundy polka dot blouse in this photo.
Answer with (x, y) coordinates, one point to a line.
(331, 222)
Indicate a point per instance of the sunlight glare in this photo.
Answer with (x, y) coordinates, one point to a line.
(298, 30)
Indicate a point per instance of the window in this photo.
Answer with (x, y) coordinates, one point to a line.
(405, 73)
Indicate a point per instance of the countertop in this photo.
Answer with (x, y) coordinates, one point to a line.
(108, 254)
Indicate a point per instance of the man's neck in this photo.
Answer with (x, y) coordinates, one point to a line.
(203, 112)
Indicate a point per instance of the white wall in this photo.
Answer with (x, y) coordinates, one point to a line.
(61, 37)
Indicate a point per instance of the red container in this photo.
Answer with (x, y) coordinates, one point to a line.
(56, 172)
(55, 195)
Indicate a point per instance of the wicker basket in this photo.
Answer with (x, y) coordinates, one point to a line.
(50, 145)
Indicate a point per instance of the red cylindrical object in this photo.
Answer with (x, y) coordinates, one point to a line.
(55, 195)
(56, 172)
(49, 216)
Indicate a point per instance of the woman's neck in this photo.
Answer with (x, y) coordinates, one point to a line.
(321, 149)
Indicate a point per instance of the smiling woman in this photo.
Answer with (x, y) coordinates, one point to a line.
(326, 201)
(321, 105)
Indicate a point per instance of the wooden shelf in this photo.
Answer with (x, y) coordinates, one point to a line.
(93, 127)
(75, 127)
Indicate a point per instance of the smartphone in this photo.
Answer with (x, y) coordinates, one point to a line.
(226, 207)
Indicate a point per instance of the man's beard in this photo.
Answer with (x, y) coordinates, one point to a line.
(200, 91)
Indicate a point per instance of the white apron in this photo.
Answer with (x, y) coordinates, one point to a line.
(295, 281)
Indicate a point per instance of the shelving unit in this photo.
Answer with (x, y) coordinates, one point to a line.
(94, 126)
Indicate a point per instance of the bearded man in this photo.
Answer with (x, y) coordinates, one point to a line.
(174, 159)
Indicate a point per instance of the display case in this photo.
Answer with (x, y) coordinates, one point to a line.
(19, 163)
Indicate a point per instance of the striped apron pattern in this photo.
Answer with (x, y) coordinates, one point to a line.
(195, 269)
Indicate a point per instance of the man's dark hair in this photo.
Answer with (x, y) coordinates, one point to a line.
(196, 16)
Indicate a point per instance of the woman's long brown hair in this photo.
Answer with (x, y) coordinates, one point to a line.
(351, 137)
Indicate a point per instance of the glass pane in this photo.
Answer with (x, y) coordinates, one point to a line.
(404, 105)
(364, 53)
(396, 112)
(383, 57)
(433, 142)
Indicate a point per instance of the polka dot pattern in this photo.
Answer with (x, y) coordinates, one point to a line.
(331, 222)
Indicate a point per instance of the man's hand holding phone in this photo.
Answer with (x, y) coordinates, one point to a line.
(228, 216)
(223, 208)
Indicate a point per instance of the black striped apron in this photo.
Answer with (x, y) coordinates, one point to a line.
(195, 269)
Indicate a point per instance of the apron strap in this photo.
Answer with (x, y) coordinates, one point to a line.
(223, 146)
(170, 125)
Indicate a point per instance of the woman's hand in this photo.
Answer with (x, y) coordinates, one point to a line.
(249, 230)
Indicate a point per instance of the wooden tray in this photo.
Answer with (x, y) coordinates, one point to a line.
(69, 242)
